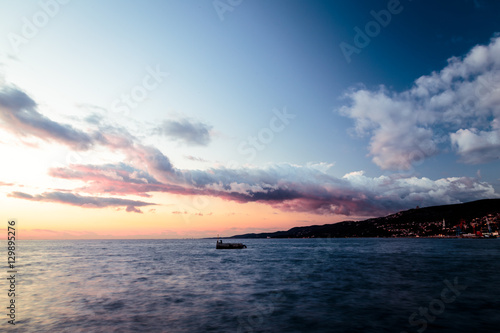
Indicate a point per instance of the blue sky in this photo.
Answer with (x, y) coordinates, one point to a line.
(252, 101)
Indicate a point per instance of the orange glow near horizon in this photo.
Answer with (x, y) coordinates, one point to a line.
(42, 220)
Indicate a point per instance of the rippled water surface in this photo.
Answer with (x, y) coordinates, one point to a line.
(287, 285)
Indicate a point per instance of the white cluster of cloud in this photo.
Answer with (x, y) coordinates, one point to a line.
(474, 145)
(457, 106)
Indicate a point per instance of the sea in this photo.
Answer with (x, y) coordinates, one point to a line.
(274, 285)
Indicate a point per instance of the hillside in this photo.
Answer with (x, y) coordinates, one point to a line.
(419, 222)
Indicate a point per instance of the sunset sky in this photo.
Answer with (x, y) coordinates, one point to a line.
(174, 119)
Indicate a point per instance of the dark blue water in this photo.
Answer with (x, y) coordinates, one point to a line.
(289, 285)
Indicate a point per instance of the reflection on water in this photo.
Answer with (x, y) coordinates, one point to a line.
(303, 285)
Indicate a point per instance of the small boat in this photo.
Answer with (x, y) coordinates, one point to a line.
(221, 245)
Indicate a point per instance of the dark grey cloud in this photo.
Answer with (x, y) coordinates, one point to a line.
(19, 114)
(82, 201)
(186, 131)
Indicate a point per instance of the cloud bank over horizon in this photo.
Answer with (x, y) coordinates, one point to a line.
(287, 187)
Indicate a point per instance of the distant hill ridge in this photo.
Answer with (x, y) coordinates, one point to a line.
(418, 221)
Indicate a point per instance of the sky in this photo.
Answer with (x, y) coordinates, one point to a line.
(187, 119)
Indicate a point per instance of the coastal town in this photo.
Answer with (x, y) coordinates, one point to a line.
(478, 219)
(485, 226)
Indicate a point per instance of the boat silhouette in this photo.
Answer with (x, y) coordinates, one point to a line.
(222, 246)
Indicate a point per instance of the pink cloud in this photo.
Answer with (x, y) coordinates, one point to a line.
(286, 187)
